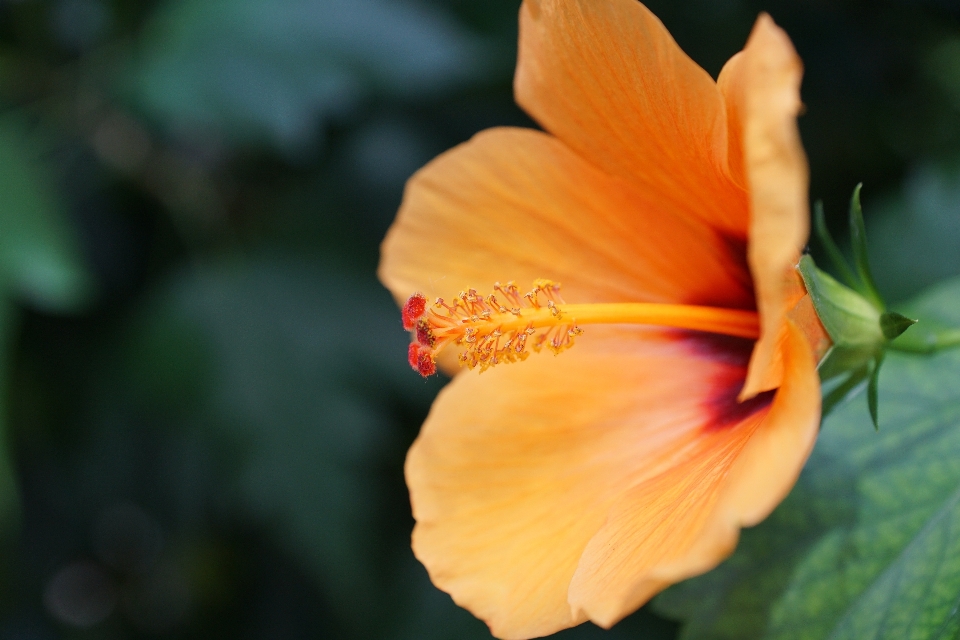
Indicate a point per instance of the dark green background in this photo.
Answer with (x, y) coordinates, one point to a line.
(205, 400)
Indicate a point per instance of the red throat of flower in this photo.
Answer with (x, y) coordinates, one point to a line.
(506, 325)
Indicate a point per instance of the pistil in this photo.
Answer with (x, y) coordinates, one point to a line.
(505, 326)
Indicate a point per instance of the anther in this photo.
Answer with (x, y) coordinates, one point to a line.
(476, 324)
(425, 335)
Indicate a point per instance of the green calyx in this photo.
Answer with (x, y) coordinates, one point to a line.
(853, 314)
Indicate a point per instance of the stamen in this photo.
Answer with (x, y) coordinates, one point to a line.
(490, 332)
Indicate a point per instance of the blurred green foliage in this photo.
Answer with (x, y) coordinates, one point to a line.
(205, 403)
(38, 250)
(276, 71)
(913, 240)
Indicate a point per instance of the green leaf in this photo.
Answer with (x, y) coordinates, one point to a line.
(858, 239)
(272, 71)
(867, 546)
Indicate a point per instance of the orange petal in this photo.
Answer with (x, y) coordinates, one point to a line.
(687, 519)
(516, 204)
(762, 88)
(769, 465)
(609, 81)
(516, 469)
(804, 315)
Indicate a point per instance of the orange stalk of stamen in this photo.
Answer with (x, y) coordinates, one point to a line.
(477, 324)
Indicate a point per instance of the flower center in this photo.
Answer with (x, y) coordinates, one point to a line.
(506, 325)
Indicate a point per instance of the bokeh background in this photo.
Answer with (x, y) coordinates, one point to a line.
(204, 399)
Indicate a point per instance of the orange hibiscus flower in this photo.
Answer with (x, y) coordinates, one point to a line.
(673, 209)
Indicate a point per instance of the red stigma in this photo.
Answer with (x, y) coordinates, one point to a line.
(421, 360)
(413, 309)
(425, 364)
(413, 355)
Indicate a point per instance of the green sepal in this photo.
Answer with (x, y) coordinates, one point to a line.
(860, 334)
(846, 315)
(858, 240)
(872, 387)
(893, 324)
(841, 359)
(846, 388)
(833, 251)
(855, 317)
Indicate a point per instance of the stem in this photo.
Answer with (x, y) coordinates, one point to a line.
(927, 343)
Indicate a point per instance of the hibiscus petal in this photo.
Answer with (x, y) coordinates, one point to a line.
(687, 519)
(771, 462)
(516, 204)
(517, 469)
(762, 88)
(609, 81)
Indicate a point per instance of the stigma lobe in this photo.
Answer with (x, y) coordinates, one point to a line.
(413, 309)
(421, 360)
